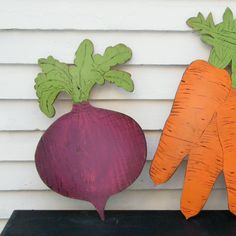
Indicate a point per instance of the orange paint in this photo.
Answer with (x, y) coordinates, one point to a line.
(192, 130)
(204, 165)
(202, 90)
(226, 122)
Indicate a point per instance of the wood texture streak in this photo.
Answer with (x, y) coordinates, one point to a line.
(202, 89)
(91, 154)
(191, 130)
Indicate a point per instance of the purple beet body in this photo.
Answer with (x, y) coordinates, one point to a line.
(91, 153)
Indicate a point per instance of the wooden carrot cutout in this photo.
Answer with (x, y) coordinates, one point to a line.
(226, 121)
(203, 120)
(202, 89)
(204, 165)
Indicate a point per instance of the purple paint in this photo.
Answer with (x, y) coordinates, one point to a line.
(90, 154)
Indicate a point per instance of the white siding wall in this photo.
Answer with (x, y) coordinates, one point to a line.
(162, 47)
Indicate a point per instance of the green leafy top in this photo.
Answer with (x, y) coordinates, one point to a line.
(78, 79)
(222, 38)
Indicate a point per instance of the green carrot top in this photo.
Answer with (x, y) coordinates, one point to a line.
(222, 38)
(78, 79)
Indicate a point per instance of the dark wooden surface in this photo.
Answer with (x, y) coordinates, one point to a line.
(86, 223)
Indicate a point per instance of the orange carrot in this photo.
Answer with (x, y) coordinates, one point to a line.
(202, 123)
(202, 89)
(204, 165)
(227, 131)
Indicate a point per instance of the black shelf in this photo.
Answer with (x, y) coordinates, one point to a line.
(86, 223)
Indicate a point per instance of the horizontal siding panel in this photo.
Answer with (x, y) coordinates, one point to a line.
(115, 15)
(23, 176)
(17, 82)
(127, 200)
(155, 48)
(26, 115)
(20, 146)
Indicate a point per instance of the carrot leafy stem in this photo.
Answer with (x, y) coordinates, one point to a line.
(222, 38)
(78, 79)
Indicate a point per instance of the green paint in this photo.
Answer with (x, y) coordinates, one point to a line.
(222, 38)
(78, 79)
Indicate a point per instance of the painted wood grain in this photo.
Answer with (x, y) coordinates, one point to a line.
(90, 154)
(149, 82)
(146, 15)
(21, 145)
(25, 177)
(127, 200)
(150, 48)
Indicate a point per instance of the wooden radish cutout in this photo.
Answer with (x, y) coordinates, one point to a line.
(89, 153)
(202, 122)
